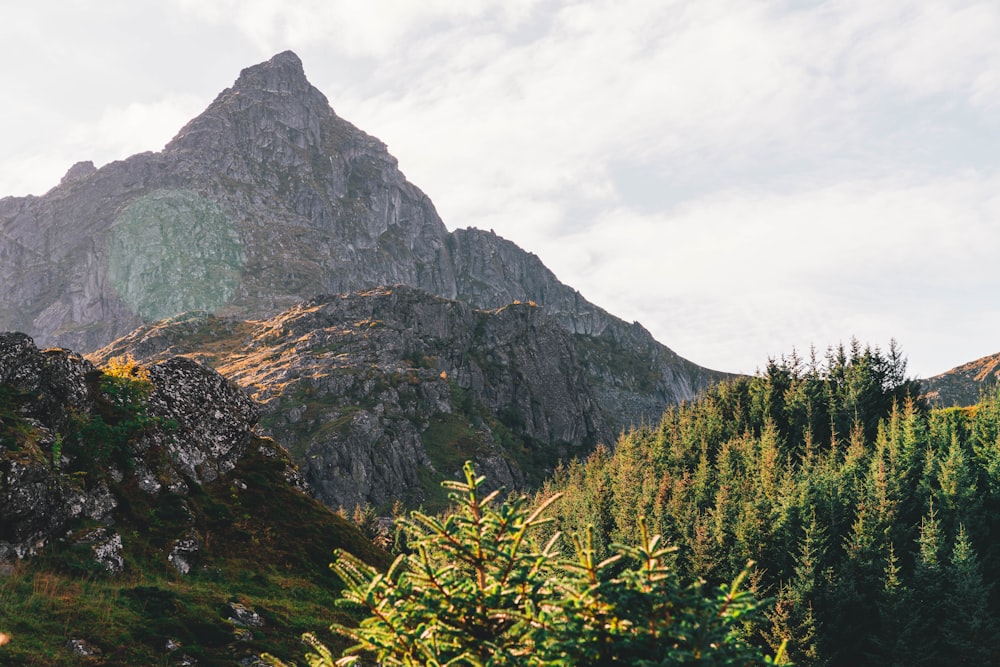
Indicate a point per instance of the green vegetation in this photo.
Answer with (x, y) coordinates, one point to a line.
(868, 520)
(15, 432)
(475, 588)
(872, 520)
(249, 552)
(119, 417)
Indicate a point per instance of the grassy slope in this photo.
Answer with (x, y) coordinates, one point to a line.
(266, 546)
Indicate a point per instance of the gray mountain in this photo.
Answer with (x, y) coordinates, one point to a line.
(379, 395)
(266, 199)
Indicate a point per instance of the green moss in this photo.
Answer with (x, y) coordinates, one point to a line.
(16, 433)
(450, 441)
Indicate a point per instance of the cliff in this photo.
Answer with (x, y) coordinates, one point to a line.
(379, 395)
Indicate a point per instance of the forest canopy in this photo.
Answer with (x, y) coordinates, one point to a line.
(867, 521)
(871, 519)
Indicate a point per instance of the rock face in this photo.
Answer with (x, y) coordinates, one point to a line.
(380, 394)
(193, 426)
(264, 200)
(965, 384)
(35, 500)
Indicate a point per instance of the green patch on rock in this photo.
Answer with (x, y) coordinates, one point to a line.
(173, 251)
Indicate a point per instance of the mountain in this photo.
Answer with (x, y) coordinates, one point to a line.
(381, 394)
(965, 384)
(264, 200)
(155, 518)
(445, 345)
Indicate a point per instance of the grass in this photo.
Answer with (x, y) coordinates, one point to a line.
(264, 545)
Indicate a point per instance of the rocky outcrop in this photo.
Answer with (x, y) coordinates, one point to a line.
(38, 394)
(210, 419)
(145, 487)
(380, 394)
(264, 200)
(69, 437)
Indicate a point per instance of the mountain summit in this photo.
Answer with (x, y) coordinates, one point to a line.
(266, 199)
(270, 104)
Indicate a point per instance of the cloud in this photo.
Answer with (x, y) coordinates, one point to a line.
(369, 29)
(648, 151)
(119, 131)
(826, 147)
(125, 130)
(714, 93)
(733, 278)
(924, 49)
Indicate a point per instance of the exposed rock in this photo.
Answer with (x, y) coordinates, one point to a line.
(43, 390)
(78, 171)
(106, 547)
(268, 198)
(965, 384)
(83, 648)
(184, 553)
(243, 616)
(242, 635)
(196, 426)
(213, 418)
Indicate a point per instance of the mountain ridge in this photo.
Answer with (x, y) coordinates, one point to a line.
(381, 394)
(264, 200)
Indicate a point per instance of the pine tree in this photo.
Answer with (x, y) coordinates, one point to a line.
(793, 621)
(477, 591)
(928, 592)
(969, 628)
(898, 640)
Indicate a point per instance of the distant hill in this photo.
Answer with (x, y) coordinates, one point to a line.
(965, 384)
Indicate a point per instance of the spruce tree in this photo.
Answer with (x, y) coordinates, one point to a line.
(475, 590)
(969, 628)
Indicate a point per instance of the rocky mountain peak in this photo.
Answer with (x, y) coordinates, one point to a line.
(78, 171)
(283, 73)
(264, 200)
(273, 99)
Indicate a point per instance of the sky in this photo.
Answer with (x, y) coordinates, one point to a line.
(745, 178)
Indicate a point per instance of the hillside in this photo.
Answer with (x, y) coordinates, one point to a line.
(379, 395)
(964, 385)
(142, 522)
(870, 519)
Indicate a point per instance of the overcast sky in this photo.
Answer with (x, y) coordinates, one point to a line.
(741, 177)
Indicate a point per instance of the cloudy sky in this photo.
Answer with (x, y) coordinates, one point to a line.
(742, 177)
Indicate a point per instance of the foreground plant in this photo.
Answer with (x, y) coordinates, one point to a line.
(475, 589)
